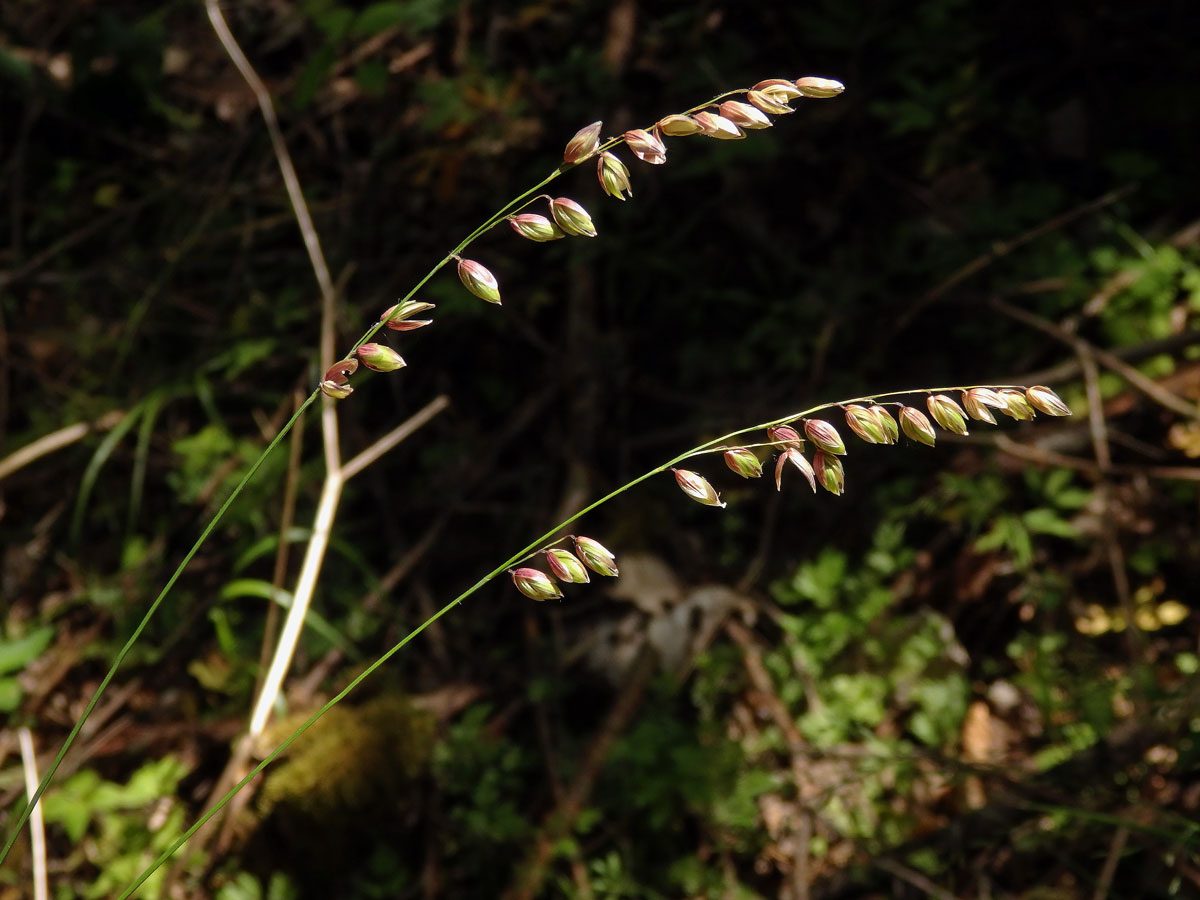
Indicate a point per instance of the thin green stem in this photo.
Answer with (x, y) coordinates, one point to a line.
(513, 206)
(529, 550)
(519, 202)
(137, 632)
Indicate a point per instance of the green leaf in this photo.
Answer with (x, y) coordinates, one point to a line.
(10, 694)
(18, 653)
(372, 77)
(256, 587)
(1047, 521)
(378, 17)
(820, 581)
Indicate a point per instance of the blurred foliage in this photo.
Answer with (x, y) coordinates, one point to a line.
(964, 628)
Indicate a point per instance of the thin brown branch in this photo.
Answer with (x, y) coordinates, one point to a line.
(1098, 428)
(1069, 369)
(37, 828)
(1115, 849)
(98, 224)
(1125, 278)
(1004, 248)
(1135, 378)
(798, 748)
(56, 440)
(308, 231)
(400, 433)
(561, 819)
(1051, 458)
(1097, 425)
(283, 551)
(921, 882)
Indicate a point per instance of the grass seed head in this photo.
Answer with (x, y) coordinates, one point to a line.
(718, 127)
(613, 175)
(785, 435)
(337, 391)
(865, 423)
(825, 436)
(830, 473)
(780, 90)
(1015, 405)
(744, 462)
(571, 217)
(400, 316)
(535, 584)
(769, 103)
(819, 88)
(646, 146)
(697, 487)
(380, 358)
(583, 145)
(947, 413)
(566, 566)
(595, 556)
(744, 115)
(915, 424)
(975, 406)
(1045, 400)
(890, 428)
(678, 126)
(797, 459)
(479, 280)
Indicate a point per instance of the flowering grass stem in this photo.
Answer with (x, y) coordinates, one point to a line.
(534, 547)
(515, 205)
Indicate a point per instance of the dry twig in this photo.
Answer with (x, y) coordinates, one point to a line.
(37, 828)
(1002, 249)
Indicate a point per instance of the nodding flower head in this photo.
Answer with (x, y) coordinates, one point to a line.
(744, 462)
(718, 127)
(566, 567)
(785, 435)
(380, 358)
(976, 402)
(571, 217)
(947, 413)
(399, 317)
(535, 584)
(535, 228)
(825, 436)
(613, 175)
(866, 424)
(744, 115)
(678, 126)
(829, 471)
(479, 280)
(797, 459)
(697, 487)
(337, 391)
(341, 370)
(819, 88)
(779, 90)
(1045, 400)
(583, 145)
(334, 383)
(595, 556)
(769, 103)
(1016, 405)
(917, 426)
(890, 428)
(646, 146)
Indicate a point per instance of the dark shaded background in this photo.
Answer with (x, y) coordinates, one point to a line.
(150, 263)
